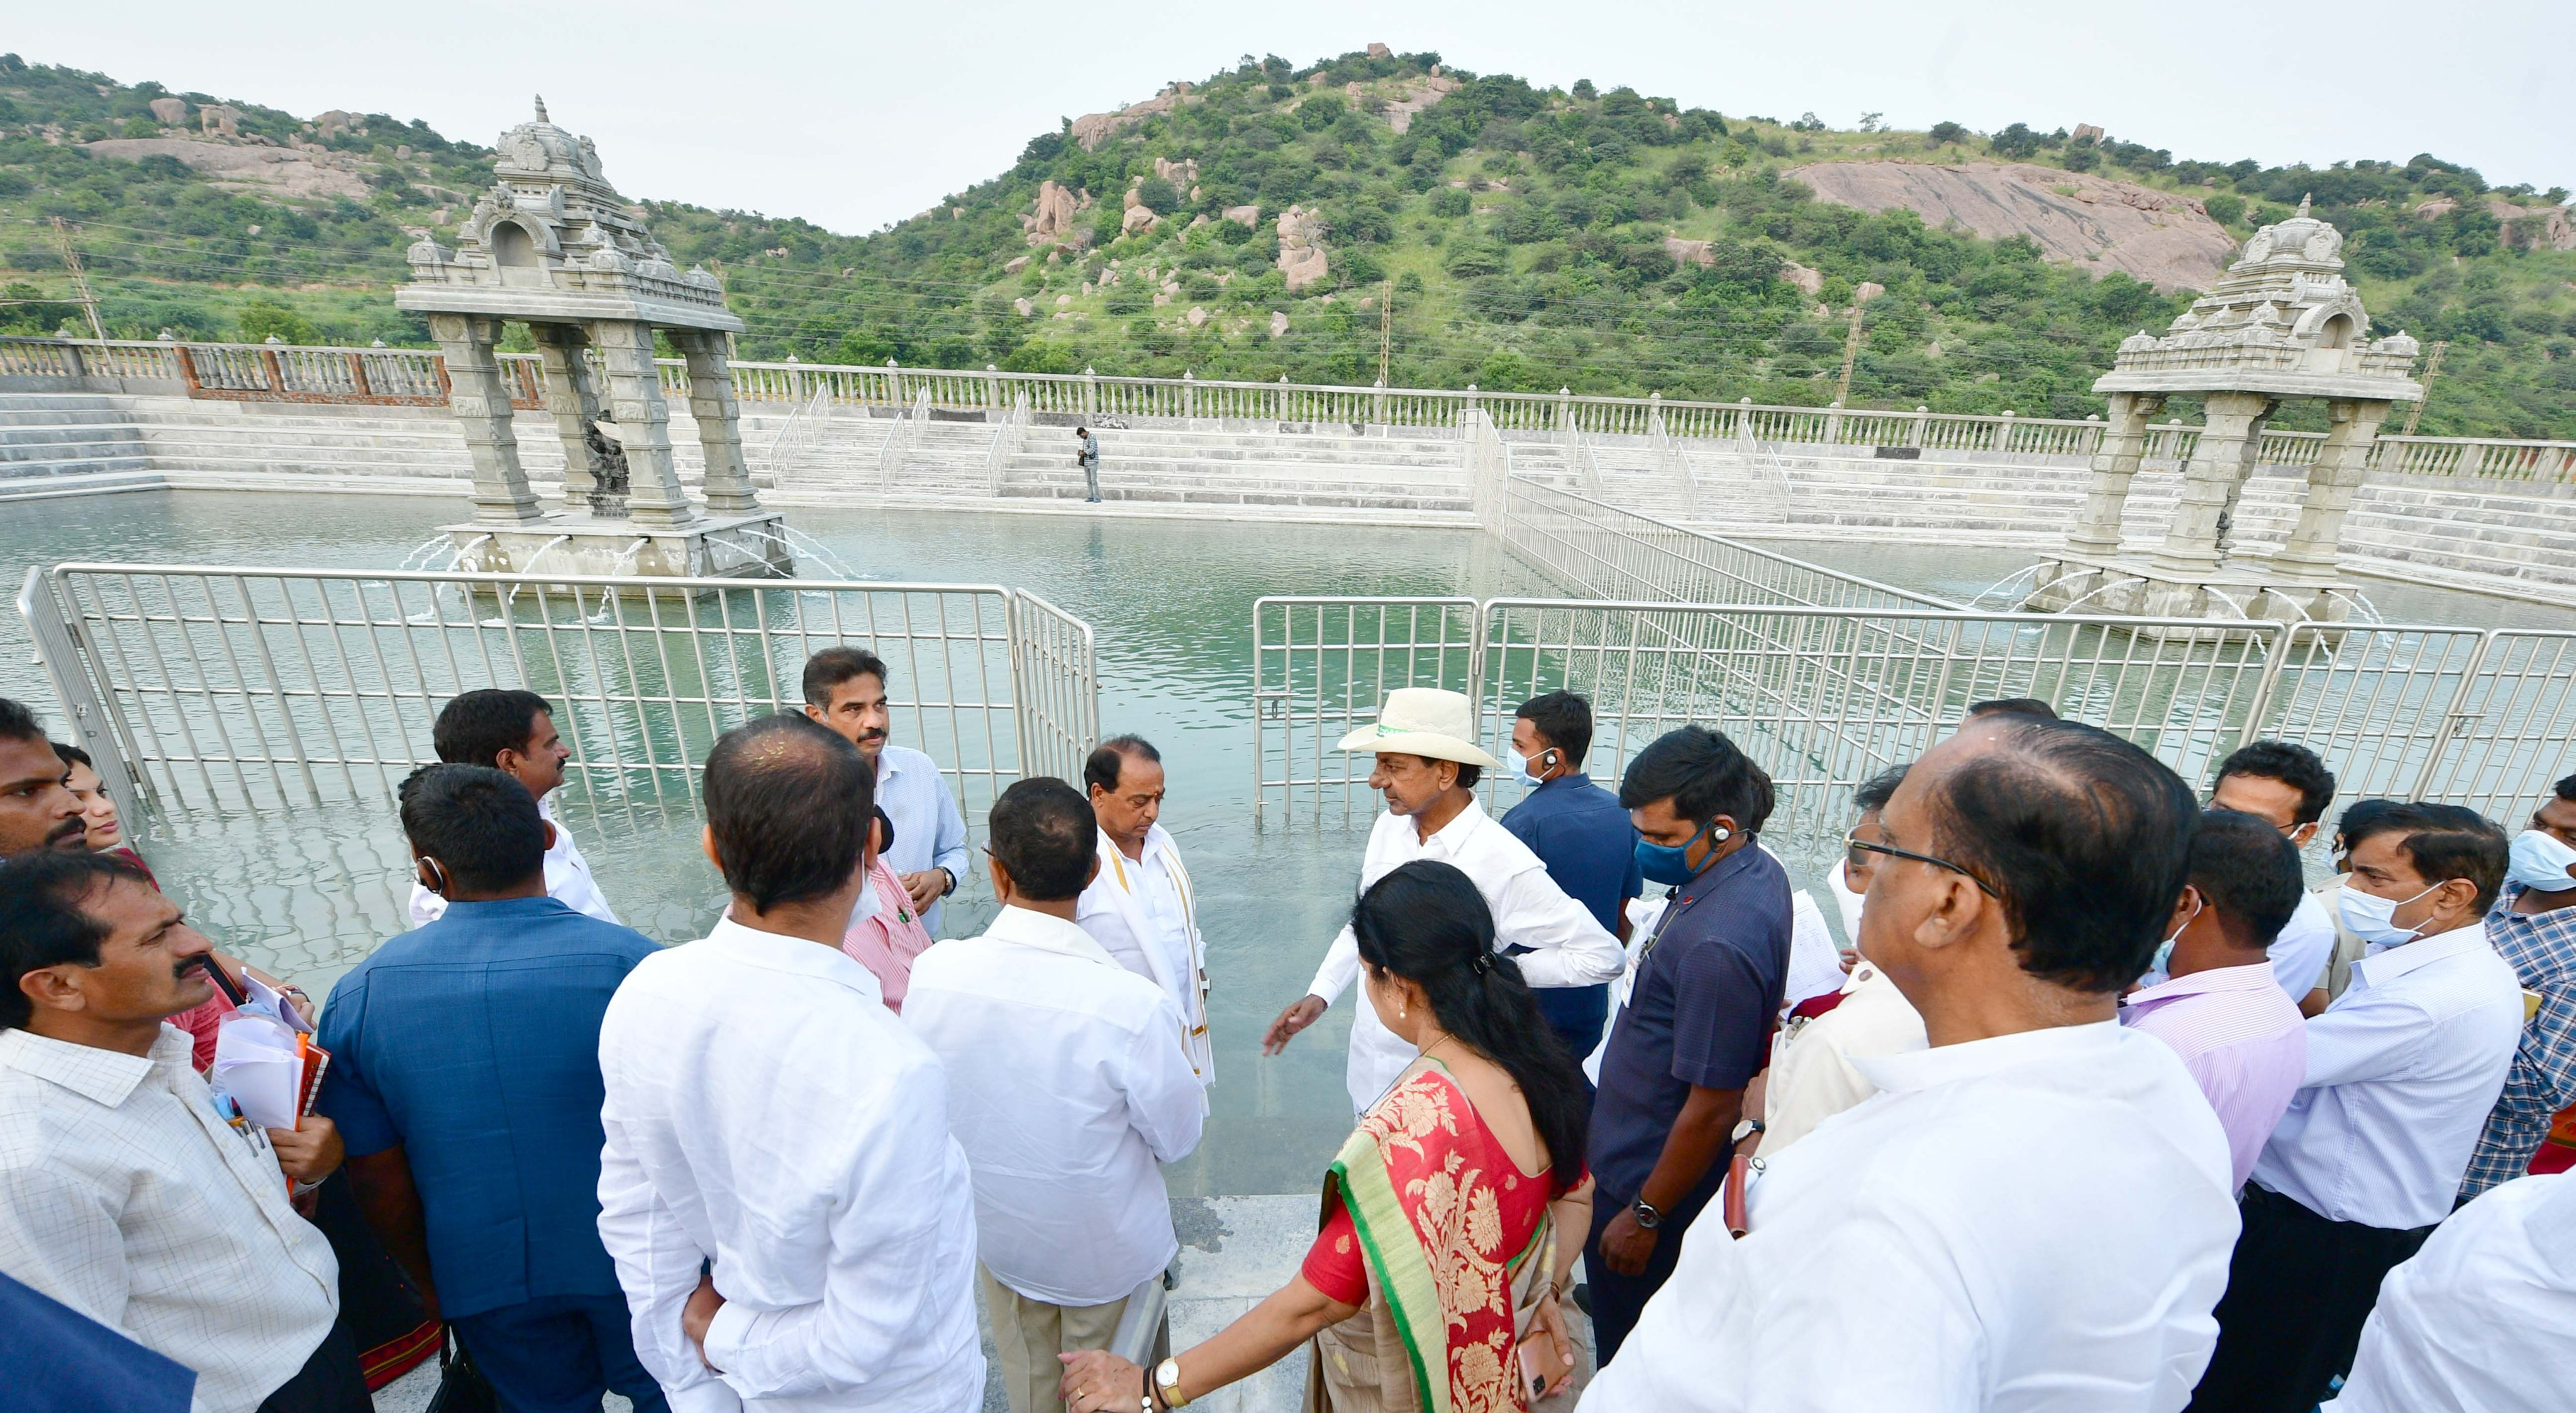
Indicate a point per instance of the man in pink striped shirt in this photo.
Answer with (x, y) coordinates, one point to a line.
(2237, 1032)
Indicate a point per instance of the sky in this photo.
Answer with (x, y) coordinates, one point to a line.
(858, 115)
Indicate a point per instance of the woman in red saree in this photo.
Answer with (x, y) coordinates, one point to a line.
(1433, 1283)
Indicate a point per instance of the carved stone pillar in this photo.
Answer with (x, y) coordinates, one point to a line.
(2232, 427)
(482, 403)
(719, 419)
(2115, 462)
(643, 423)
(2316, 543)
(572, 398)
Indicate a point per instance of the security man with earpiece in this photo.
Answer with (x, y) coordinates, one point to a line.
(1586, 840)
(1696, 1027)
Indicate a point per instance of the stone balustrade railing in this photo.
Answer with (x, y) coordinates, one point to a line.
(286, 373)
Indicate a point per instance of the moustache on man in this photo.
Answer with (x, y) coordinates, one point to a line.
(214, 970)
(70, 829)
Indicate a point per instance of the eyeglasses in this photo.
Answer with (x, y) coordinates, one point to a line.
(1855, 845)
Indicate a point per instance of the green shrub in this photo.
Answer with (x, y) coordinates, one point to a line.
(1449, 203)
(260, 318)
(2226, 208)
(1159, 196)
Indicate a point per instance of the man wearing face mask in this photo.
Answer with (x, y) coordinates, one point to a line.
(1427, 767)
(1578, 830)
(465, 1080)
(2533, 927)
(2401, 1072)
(2288, 787)
(2220, 1008)
(1697, 1023)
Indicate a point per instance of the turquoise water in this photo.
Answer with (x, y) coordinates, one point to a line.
(1171, 603)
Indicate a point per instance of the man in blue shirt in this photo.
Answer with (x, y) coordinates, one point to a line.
(465, 1081)
(1586, 840)
(845, 689)
(1697, 1025)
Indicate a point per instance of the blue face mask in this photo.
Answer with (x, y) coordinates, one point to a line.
(1670, 863)
(2540, 862)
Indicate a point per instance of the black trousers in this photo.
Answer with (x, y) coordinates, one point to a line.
(1618, 1300)
(2298, 1289)
(329, 1382)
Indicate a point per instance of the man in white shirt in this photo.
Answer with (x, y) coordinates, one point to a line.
(2401, 1072)
(2481, 1319)
(514, 732)
(765, 1112)
(2032, 1213)
(1427, 767)
(2288, 787)
(1140, 907)
(845, 689)
(125, 1192)
(1067, 1089)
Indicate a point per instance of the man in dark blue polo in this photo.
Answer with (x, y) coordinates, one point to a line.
(1697, 1024)
(465, 1081)
(1586, 840)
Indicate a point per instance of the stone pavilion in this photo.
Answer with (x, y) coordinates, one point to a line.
(553, 245)
(2280, 324)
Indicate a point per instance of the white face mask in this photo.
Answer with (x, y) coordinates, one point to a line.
(2540, 862)
(2162, 966)
(867, 905)
(2373, 919)
(1532, 765)
(1849, 901)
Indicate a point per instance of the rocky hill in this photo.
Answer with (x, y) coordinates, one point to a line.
(1259, 223)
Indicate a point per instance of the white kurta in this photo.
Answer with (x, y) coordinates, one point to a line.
(1068, 1095)
(568, 879)
(2480, 1320)
(766, 1111)
(1144, 914)
(1568, 946)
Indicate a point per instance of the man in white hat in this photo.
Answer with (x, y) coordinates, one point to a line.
(1427, 767)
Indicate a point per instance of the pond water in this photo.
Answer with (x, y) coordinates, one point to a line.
(1171, 603)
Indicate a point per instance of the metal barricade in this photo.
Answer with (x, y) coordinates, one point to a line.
(232, 688)
(1320, 668)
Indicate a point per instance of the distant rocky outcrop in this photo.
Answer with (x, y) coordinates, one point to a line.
(1180, 174)
(1301, 248)
(2162, 237)
(1053, 219)
(1397, 100)
(169, 112)
(2533, 227)
(1244, 215)
(269, 171)
(1093, 129)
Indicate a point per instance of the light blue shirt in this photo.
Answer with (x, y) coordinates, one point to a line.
(2402, 1069)
(929, 832)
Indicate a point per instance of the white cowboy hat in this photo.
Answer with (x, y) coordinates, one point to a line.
(1422, 721)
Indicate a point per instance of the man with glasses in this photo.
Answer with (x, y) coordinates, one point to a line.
(2034, 1210)
(2287, 787)
(1697, 1024)
(845, 689)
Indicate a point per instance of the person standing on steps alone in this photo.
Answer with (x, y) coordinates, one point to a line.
(1089, 460)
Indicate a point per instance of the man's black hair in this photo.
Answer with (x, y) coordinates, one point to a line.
(72, 755)
(2249, 872)
(2012, 706)
(475, 727)
(1044, 832)
(2357, 818)
(42, 923)
(788, 801)
(833, 666)
(1703, 774)
(2293, 765)
(2443, 842)
(481, 825)
(1107, 760)
(2566, 788)
(1468, 772)
(2086, 837)
(19, 724)
(1871, 795)
(1563, 720)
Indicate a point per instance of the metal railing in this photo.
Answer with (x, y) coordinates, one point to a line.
(1007, 440)
(1825, 696)
(408, 375)
(264, 689)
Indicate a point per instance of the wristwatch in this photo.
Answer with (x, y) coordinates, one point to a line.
(1746, 1129)
(1646, 1214)
(1167, 1382)
(952, 880)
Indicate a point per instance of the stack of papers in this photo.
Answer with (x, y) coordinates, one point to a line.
(263, 1062)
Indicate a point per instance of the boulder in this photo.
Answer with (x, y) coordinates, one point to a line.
(1023, 307)
(1244, 215)
(336, 120)
(2534, 228)
(1688, 252)
(1379, 51)
(169, 112)
(1196, 316)
(1015, 265)
(1809, 281)
(1054, 215)
(1869, 290)
(1278, 323)
(1063, 301)
(2083, 131)
(1161, 298)
(219, 119)
(2438, 206)
(1180, 174)
(1139, 217)
(1093, 129)
(1301, 250)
